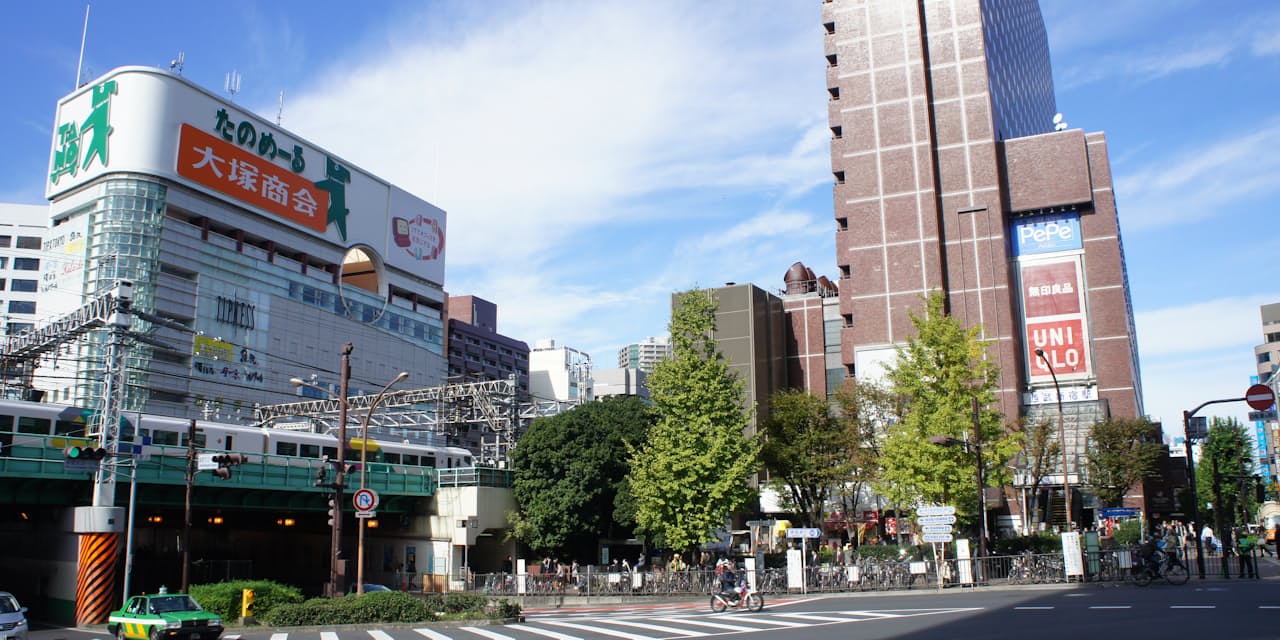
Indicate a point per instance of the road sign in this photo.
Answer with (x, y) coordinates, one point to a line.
(937, 537)
(366, 514)
(365, 499)
(936, 528)
(1260, 397)
(1118, 512)
(204, 462)
(936, 511)
(1197, 428)
(802, 532)
(937, 520)
(1262, 416)
(81, 465)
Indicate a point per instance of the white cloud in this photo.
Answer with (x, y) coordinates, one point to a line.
(1212, 325)
(1201, 182)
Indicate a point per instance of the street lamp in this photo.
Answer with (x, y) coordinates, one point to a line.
(364, 472)
(1062, 436)
(335, 539)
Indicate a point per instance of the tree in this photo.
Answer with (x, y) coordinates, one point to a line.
(570, 475)
(940, 372)
(866, 409)
(1040, 449)
(1122, 452)
(807, 450)
(1226, 460)
(694, 468)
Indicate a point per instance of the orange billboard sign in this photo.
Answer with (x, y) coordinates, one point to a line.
(229, 170)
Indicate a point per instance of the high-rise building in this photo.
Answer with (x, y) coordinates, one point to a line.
(644, 354)
(477, 352)
(22, 232)
(559, 373)
(618, 382)
(1267, 355)
(953, 174)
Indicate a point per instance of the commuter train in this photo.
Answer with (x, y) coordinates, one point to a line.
(40, 424)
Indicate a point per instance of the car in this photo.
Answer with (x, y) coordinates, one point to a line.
(369, 588)
(13, 618)
(164, 615)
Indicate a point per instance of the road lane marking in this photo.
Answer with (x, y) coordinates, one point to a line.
(606, 631)
(543, 632)
(811, 616)
(432, 634)
(1112, 606)
(279, 636)
(712, 625)
(1032, 608)
(1268, 606)
(654, 627)
(379, 634)
(486, 633)
(1192, 606)
(328, 635)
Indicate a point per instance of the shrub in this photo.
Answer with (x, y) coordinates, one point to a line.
(1128, 533)
(223, 598)
(380, 606)
(1035, 543)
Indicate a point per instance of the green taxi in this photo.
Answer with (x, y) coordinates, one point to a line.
(164, 615)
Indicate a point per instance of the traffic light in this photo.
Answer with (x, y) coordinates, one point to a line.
(322, 476)
(90, 454)
(226, 461)
(333, 511)
(246, 603)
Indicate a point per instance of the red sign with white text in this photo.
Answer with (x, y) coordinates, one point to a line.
(229, 170)
(1065, 346)
(1051, 289)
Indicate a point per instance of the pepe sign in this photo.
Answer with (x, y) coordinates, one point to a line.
(420, 236)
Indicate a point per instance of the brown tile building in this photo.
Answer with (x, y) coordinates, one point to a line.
(950, 175)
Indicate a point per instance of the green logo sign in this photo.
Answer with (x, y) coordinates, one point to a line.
(93, 134)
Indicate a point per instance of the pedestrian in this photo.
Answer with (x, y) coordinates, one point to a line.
(1206, 534)
(1245, 544)
(507, 565)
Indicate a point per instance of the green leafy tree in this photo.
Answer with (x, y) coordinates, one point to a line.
(808, 451)
(1122, 451)
(866, 409)
(940, 372)
(1224, 475)
(1040, 449)
(693, 470)
(570, 475)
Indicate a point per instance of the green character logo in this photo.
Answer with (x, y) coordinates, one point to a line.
(96, 129)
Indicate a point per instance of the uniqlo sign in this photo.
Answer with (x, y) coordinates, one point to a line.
(1064, 343)
(1051, 288)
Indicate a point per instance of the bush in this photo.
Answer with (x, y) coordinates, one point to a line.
(1035, 543)
(389, 606)
(1128, 533)
(223, 598)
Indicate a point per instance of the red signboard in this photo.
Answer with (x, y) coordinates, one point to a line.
(1064, 345)
(229, 170)
(1051, 289)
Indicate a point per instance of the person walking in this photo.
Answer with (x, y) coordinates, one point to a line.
(1206, 534)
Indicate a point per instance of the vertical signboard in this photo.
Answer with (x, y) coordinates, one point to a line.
(1053, 308)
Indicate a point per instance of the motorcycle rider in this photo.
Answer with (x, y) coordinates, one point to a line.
(728, 580)
(1147, 553)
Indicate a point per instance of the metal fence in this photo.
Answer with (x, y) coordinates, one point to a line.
(863, 574)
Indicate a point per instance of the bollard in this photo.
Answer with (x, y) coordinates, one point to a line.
(246, 606)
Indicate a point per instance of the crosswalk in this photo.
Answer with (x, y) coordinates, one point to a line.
(678, 623)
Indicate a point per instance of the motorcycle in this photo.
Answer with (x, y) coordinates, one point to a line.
(743, 596)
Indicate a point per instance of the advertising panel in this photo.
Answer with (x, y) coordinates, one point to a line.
(62, 267)
(1047, 234)
(1065, 344)
(1051, 288)
(145, 120)
(232, 339)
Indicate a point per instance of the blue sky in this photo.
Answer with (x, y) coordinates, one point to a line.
(593, 157)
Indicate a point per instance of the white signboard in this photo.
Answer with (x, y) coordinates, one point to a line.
(801, 532)
(937, 537)
(937, 520)
(1071, 561)
(936, 528)
(936, 511)
(795, 569)
(963, 561)
(204, 462)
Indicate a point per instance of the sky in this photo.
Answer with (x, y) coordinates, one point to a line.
(594, 157)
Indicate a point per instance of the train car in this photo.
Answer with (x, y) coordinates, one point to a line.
(61, 426)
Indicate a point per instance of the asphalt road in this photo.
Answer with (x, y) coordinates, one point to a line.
(1234, 609)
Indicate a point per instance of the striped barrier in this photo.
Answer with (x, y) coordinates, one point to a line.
(96, 577)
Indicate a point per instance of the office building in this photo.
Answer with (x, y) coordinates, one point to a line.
(953, 174)
(643, 355)
(1267, 356)
(559, 374)
(618, 382)
(477, 352)
(261, 253)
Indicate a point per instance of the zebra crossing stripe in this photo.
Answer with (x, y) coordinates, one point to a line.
(767, 621)
(379, 634)
(328, 635)
(603, 630)
(656, 627)
(279, 636)
(811, 616)
(712, 625)
(432, 634)
(480, 631)
(543, 632)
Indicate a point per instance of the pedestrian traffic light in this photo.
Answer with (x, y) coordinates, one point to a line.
(90, 454)
(333, 511)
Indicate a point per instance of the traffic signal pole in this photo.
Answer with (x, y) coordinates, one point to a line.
(186, 514)
(335, 541)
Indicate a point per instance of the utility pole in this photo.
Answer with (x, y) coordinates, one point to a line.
(336, 569)
(186, 513)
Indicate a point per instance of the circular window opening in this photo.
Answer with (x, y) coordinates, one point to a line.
(362, 270)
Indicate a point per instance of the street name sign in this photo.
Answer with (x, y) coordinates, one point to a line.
(938, 537)
(936, 511)
(204, 462)
(802, 532)
(936, 528)
(937, 520)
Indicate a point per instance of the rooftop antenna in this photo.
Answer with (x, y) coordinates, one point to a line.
(280, 111)
(1058, 124)
(83, 36)
(232, 84)
(175, 65)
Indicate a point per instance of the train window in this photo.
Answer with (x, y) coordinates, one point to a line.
(68, 428)
(411, 459)
(428, 461)
(332, 452)
(312, 451)
(39, 426)
(201, 439)
(291, 449)
(169, 438)
(394, 458)
(6, 423)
